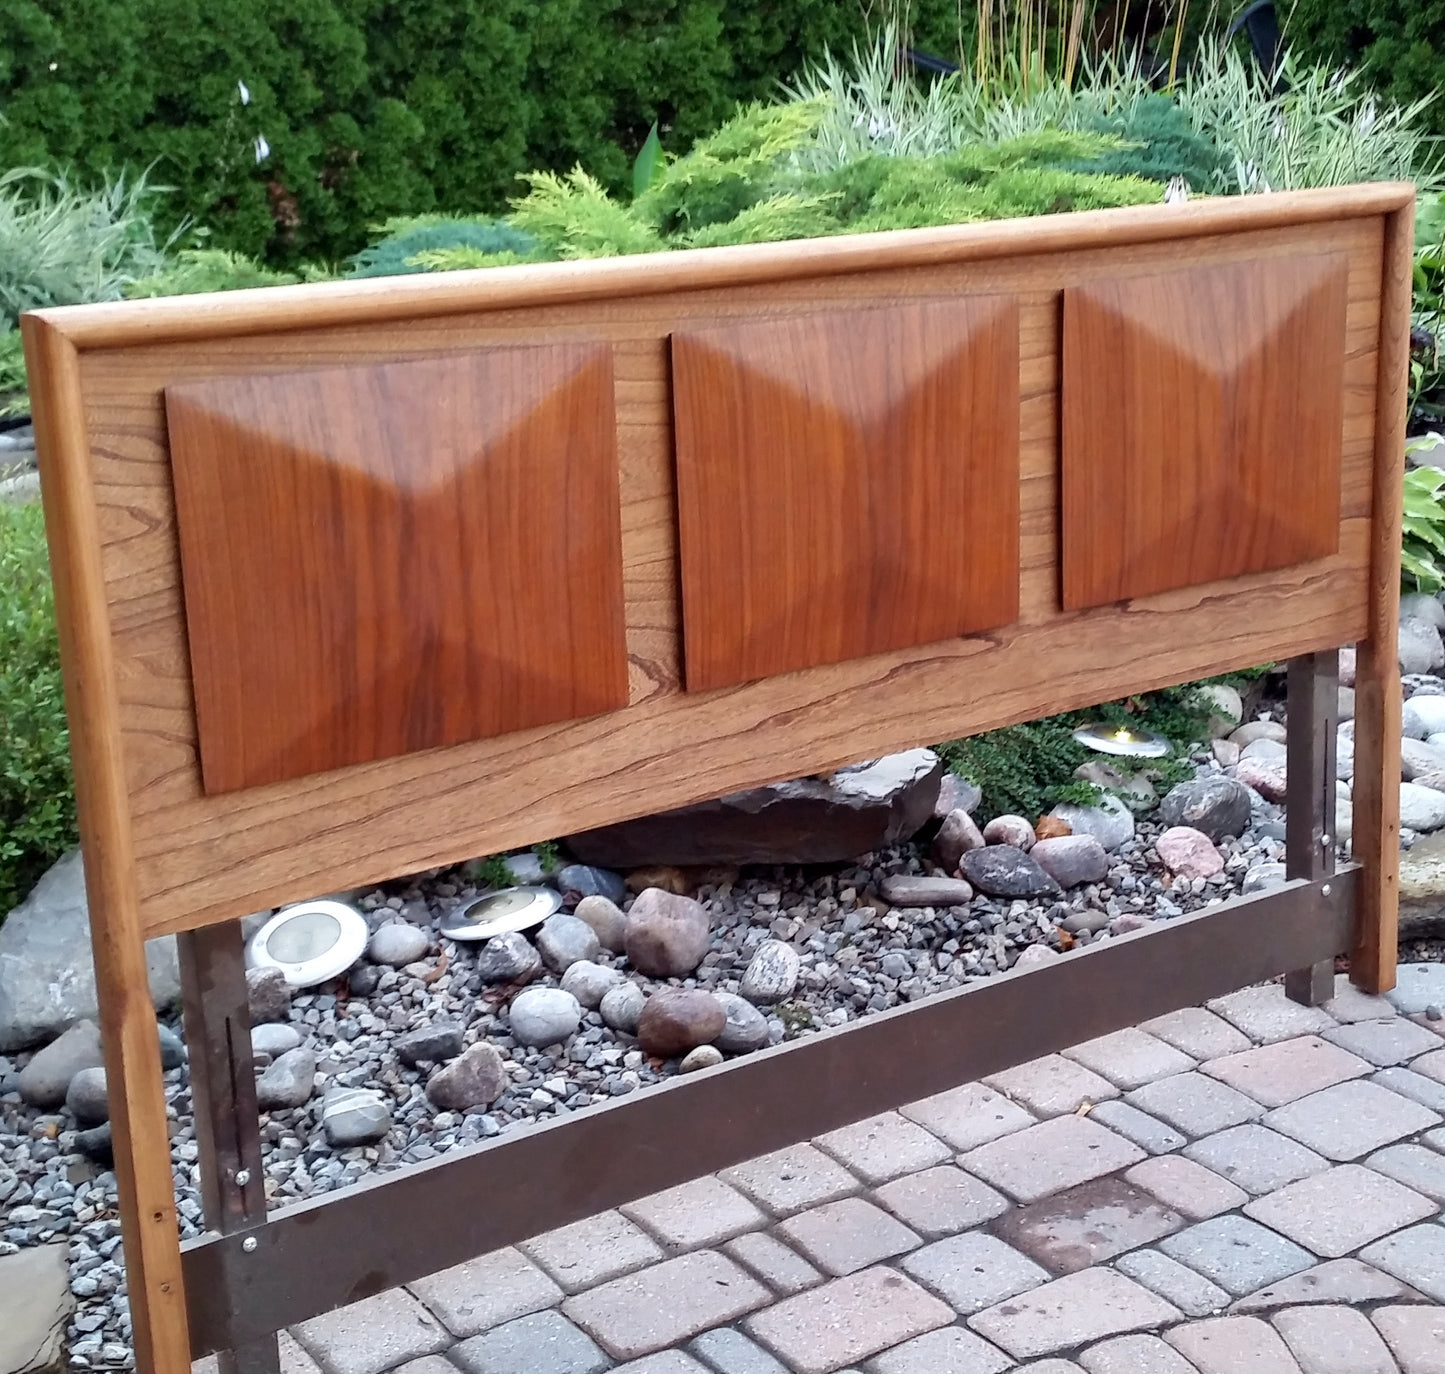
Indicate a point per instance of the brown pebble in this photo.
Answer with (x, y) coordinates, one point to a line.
(676, 1020)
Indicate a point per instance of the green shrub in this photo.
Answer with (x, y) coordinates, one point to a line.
(14, 399)
(37, 804)
(411, 244)
(196, 270)
(1422, 547)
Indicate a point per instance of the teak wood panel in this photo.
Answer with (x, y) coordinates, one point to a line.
(1202, 415)
(816, 457)
(203, 858)
(385, 558)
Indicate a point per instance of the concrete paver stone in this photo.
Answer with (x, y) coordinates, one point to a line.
(884, 1147)
(35, 1305)
(781, 1268)
(1257, 1159)
(792, 1180)
(1432, 1065)
(1350, 1119)
(1333, 1340)
(1418, 987)
(1414, 1166)
(948, 1350)
(967, 1117)
(1288, 1069)
(1349, 1004)
(1416, 1257)
(1265, 1014)
(1416, 1335)
(1193, 1294)
(1138, 1354)
(664, 1362)
(1087, 1225)
(1199, 1033)
(1384, 1043)
(1337, 1212)
(1416, 1086)
(973, 1271)
(1050, 1157)
(1238, 1254)
(1347, 1281)
(486, 1292)
(704, 1212)
(1187, 1186)
(1147, 1132)
(850, 1234)
(1052, 1085)
(372, 1335)
(592, 1251)
(1195, 1103)
(728, 1351)
(1130, 1058)
(942, 1201)
(1230, 1345)
(543, 1343)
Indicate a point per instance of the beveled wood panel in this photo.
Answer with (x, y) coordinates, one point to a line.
(816, 455)
(396, 557)
(1202, 419)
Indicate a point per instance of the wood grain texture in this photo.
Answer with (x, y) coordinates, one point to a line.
(1202, 420)
(139, 1128)
(815, 457)
(388, 558)
(204, 858)
(1376, 796)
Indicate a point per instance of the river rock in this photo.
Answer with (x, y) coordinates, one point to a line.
(98, 1144)
(867, 806)
(274, 1039)
(1423, 716)
(1422, 606)
(1345, 703)
(956, 794)
(1226, 752)
(509, 958)
(1271, 751)
(667, 934)
(564, 940)
(1217, 805)
(1109, 821)
(45, 1080)
(703, 1057)
(746, 1029)
(1252, 730)
(544, 1016)
(397, 944)
(268, 995)
(1262, 877)
(1188, 853)
(86, 1097)
(1270, 781)
(1035, 955)
(577, 882)
(676, 1020)
(1226, 708)
(589, 983)
(1014, 830)
(622, 1006)
(47, 974)
(173, 1048)
(287, 1082)
(771, 974)
(476, 1079)
(354, 1116)
(905, 889)
(1418, 758)
(1420, 646)
(434, 1043)
(956, 836)
(1072, 859)
(1003, 871)
(1421, 808)
(607, 920)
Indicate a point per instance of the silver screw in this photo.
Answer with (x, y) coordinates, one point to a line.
(249, 1245)
(1325, 890)
(243, 1177)
(1326, 841)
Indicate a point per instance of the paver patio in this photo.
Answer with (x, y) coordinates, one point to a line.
(1280, 1212)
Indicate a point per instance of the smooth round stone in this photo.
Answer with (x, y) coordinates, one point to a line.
(508, 958)
(1268, 779)
(476, 1079)
(1188, 853)
(564, 940)
(1418, 757)
(1421, 649)
(1003, 871)
(86, 1097)
(1035, 955)
(1072, 859)
(354, 1116)
(589, 983)
(274, 1039)
(607, 919)
(1423, 716)
(771, 974)
(1422, 606)
(1217, 805)
(956, 794)
(1014, 830)
(267, 994)
(914, 890)
(667, 934)
(1109, 821)
(1267, 750)
(287, 1082)
(397, 944)
(544, 1016)
(45, 1080)
(577, 882)
(173, 1048)
(1257, 729)
(1226, 708)
(676, 1020)
(956, 836)
(435, 1043)
(97, 1144)
(746, 1029)
(622, 1006)
(1421, 808)
(1261, 877)
(703, 1057)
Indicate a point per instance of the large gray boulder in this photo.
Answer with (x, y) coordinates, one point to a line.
(47, 974)
(809, 820)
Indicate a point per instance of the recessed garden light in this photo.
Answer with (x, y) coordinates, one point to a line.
(512, 908)
(310, 942)
(1120, 739)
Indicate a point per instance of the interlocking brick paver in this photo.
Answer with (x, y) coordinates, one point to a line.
(941, 1201)
(1414, 1166)
(1416, 1257)
(486, 1292)
(1418, 987)
(666, 1304)
(1432, 1065)
(1333, 1340)
(1050, 1157)
(850, 1234)
(1416, 1335)
(847, 1320)
(949, 1350)
(1195, 1104)
(1071, 1311)
(372, 1335)
(1351, 1119)
(1138, 1354)
(1265, 1014)
(703, 1212)
(1349, 1004)
(969, 1116)
(425, 1364)
(1145, 1131)
(884, 1147)
(973, 1271)
(1426, 1091)
(1347, 1281)
(1187, 1186)
(1052, 1085)
(1288, 1069)
(1130, 1058)
(1199, 1033)
(1339, 1211)
(1434, 1139)
(1384, 1042)
(791, 1180)
(1051, 1367)
(782, 1269)
(1229, 1345)
(544, 1343)
(590, 1252)
(1193, 1294)
(730, 1352)
(664, 1362)
(1238, 1254)
(1256, 1158)
(1087, 1225)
